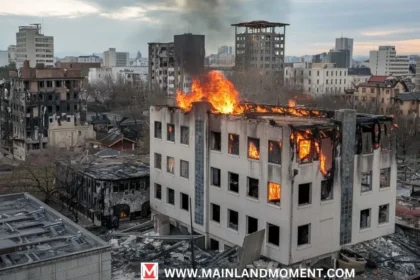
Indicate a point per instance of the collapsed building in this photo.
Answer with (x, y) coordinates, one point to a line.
(105, 188)
(315, 180)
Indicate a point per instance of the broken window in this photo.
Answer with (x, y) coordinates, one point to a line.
(252, 224)
(305, 194)
(385, 179)
(215, 177)
(184, 172)
(385, 137)
(253, 148)
(170, 199)
(233, 219)
(158, 161)
(185, 135)
(274, 152)
(158, 191)
(158, 130)
(214, 245)
(365, 218)
(49, 84)
(253, 187)
(273, 193)
(115, 188)
(326, 190)
(273, 236)
(383, 214)
(366, 181)
(171, 132)
(170, 165)
(215, 141)
(184, 201)
(304, 234)
(304, 146)
(215, 213)
(233, 182)
(233, 144)
(367, 146)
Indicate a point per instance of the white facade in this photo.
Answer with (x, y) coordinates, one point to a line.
(99, 74)
(385, 62)
(12, 53)
(112, 58)
(33, 46)
(172, 183)
(4, 58)
(345, 44)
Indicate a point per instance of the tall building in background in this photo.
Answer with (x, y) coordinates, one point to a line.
(385, 61)
(345, 44)
(417, 80)
(341, 58)
(225, 50)
(260, 45)
(34, 46)
(4, 58)
(112, 58)
(12, 53)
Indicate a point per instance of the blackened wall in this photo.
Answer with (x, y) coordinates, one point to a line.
(190, 52)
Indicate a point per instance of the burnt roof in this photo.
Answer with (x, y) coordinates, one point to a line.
(260, 24)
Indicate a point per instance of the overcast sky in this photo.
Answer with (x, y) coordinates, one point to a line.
(92, 26)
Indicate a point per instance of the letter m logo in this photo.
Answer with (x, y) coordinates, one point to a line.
(149, 271)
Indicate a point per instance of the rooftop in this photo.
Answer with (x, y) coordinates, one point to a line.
(260, 24)
(33, 232)
(409, 96)
(377, 79)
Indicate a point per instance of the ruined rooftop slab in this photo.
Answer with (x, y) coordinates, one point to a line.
(31, 232)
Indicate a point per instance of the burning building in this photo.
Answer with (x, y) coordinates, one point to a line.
(313, 179)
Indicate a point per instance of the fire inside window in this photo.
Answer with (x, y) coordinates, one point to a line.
(304, 146)
(171, 132)
(274, 152)
(253, 148)
(233, 144)
(274, 193)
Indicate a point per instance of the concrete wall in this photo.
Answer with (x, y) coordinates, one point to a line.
(67, 135)
(95, 265)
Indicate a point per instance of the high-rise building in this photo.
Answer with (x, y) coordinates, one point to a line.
(112, 58)
(12, 53)
(341, 58)
(345, 44)
(4, 58)
(34, 46)
(225, 50)
(260, 45)
(385, 61)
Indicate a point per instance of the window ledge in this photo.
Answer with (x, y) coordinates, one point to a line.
(184, 178)
(253, 199)
(171, 142)
(185, 211)
(216, 187)
(274, 205)
(215, 223)
(304, 206)
(233, 193)
(362, 230)
(233, 155)
(366, 192)
(383, 224)
(253, 159)
(304, 246)
(170, 174)
(215, 151)
(275, 247)
(170, 205)
(233, 230)
(383, 189)
(274, 164)
(327, 201)
(184, 145)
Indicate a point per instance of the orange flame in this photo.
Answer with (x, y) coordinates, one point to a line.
(304, 145)
(253, 151)
(170, 128)
(231, 143)
(273, 191)
(322, 160)
(123, 214)
(292, 103)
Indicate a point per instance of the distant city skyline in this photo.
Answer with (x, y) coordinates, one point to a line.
(128, 25)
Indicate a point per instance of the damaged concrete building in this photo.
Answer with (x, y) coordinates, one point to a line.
(314, 180)
(106, 187)
(36, 95)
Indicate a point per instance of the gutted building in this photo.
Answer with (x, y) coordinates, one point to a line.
(39, 243)
(314, 180)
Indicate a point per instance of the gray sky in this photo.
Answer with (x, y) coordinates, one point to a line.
(88, 26)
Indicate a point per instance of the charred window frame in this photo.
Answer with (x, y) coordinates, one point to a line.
(170, 132)
(327, 190)
(158, 191)
(251, 225)
(366, 181)
(304, 235)
(305, 194)
(383, 217)
(215, 177)
(253, 148)
(385, 178)
(273, 234)
(158, 130)
(170, 165)
(185, 135)
(253, 186)
(184, 205)
(386, 137)
(158, 161)
(233, 182)
(170, 198)
(274, 151)
(367, 139)
(215, 213)
(304, 147)
(233, 144)
(184, 169)
(215, 141)
(233, 219)
(365, 218)
(273, 193)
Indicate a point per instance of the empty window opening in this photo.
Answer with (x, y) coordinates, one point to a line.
(170, 162)
(185, 135)
(385, 179)
(385, 137)
(158, 191)
(233, 182)
(367, 146)
(383, 214)
(170, 196)
(274, 152)
(233, 219)
(305, 194)
(158, 130)
(158, 161)
(365, 218)
(214, 245)
(326, 190)
(215, 213)
(171, 133)
(216, 141)
(304, 234)
(273, 236)
(366, 181)
(185, 201)
(233, 144)
(253, 148)
(252, 187)
(274, 193)
(184, 172)
(215, 177)
(252, 224)
(304, 146)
